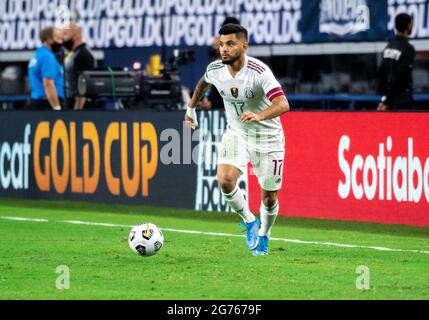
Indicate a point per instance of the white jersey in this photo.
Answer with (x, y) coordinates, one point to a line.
(252, 89)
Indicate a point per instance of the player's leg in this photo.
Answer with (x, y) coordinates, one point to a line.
(269, 168)
(227, 176)
(268, 211)
(232, 162)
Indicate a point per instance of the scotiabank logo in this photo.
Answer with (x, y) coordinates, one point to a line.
(52, 142)
(383, 173)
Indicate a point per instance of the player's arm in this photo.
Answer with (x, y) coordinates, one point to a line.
(382, 80)
(79, 103)
(48, 75)
(84, 62)
(274, 93)
(199, 92)
(391, 81)
(279, 106)
(51, 93)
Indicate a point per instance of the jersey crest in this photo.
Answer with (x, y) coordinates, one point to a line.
(234, 92)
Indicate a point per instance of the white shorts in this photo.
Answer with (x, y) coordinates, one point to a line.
(268, 166)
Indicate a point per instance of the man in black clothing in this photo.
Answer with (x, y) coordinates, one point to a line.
(78, 59)
(395, 75)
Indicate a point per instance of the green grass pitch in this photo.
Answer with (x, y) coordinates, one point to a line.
(200, 265)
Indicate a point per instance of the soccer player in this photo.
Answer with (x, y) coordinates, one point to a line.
(253, 100)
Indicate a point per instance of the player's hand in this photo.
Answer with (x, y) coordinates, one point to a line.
(382, 107)
(249, 117)
(191, 118)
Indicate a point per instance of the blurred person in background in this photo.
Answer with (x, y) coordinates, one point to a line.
(45, 74)
(395, 74)
(213, 100)
(77, 60)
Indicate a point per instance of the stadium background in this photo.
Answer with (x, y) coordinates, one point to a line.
(73, 183)
(327, 63)
(324, 53)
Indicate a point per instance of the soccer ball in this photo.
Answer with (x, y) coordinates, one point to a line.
(146, 239)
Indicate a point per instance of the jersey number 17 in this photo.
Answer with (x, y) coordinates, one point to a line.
(239, 107)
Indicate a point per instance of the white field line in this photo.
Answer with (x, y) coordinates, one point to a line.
(218, 234)
(111, 225)
(23, 219)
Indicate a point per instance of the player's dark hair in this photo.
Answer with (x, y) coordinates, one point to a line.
(402, 21)
(233, 28)
(46, 34)
(230, 20)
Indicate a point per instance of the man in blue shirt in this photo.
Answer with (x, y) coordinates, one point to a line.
(45, 74)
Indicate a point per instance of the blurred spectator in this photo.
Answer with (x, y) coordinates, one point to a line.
(186, 97)
(77, 60)
(213, 100)
(395, 74)
(45, 74)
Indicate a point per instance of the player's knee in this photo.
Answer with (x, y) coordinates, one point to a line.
(226, 183)
(269, 200)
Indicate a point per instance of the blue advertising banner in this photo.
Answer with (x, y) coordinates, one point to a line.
(108, 157)
(344, 20)
(111, 24)
(418, 9)
(148, 23)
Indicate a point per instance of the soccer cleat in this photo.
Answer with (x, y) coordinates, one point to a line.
(251, 233)
(262, 248)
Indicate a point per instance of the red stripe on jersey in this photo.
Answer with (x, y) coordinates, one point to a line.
(275, 95)
(255, 69)
(272, 91)
(256, 66)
